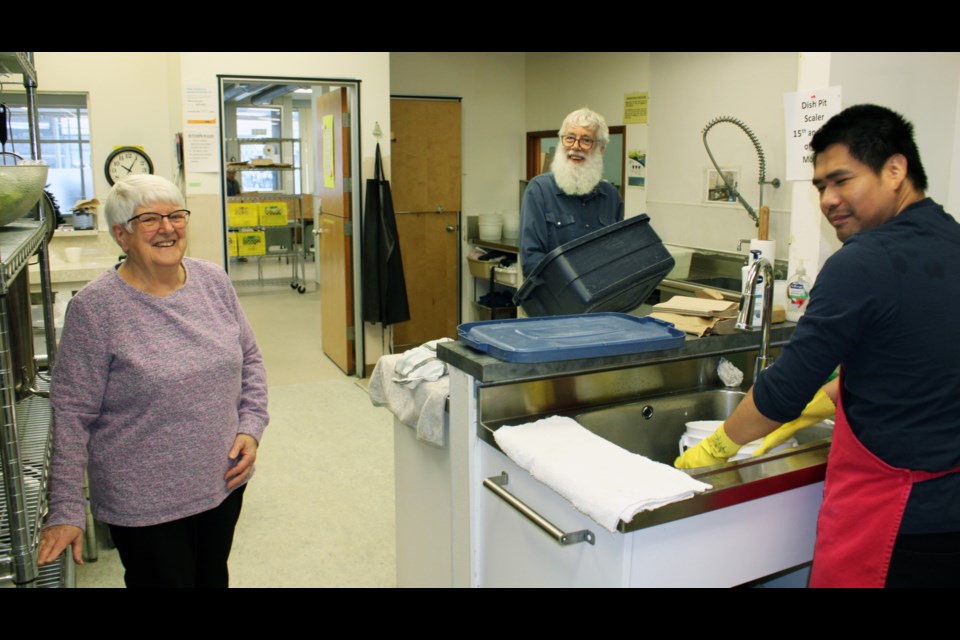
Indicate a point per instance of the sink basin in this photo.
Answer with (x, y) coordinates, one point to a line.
(729, 284)
(654, 426)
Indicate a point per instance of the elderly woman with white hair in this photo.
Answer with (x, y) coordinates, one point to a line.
(160, 392)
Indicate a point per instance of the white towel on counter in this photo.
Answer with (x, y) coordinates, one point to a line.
(602, 480)
(420, 407)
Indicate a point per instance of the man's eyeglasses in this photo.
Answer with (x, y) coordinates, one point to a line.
(585, 143)
(150, 221)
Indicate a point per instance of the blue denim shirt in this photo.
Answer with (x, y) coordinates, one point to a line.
(550, 218)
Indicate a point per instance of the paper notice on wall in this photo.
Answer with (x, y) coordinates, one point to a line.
(635, 108)
(329, 158)
(200, 148)
(200, 104)
(804, 113)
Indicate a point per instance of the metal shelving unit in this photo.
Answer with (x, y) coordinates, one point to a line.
(296, 252)
(25, 425)
(483, 311)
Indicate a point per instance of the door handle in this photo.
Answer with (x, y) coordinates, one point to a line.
(451, 228)
(496, 484)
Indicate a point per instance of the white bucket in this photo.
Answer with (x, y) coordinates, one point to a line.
(699, 429)
(511, 224)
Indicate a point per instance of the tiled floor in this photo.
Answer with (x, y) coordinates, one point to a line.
(320, 511)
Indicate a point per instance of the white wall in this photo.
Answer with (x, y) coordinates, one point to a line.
(687, 91)
(493, 129)
(924, 88)
(130, 99)
(560, 82)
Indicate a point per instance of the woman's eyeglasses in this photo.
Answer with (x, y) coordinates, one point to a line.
(150, 221)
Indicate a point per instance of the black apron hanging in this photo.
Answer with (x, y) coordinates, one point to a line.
(384, 288)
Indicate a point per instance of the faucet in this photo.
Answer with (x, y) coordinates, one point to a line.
(747, 303)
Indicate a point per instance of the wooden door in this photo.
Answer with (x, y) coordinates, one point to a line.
(430, 269)
(425, 180)
(335, 255)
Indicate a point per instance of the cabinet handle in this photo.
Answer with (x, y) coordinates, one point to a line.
(496, 484)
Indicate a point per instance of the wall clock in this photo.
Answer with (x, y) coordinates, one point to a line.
(124, 161)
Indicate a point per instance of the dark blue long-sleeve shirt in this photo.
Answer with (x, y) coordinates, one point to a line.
(885, 306)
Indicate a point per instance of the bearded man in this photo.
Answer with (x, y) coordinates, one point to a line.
(573, 199)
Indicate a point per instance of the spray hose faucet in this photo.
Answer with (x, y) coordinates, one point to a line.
(747, 304)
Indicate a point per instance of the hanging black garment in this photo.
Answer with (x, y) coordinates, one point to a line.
(384, 288)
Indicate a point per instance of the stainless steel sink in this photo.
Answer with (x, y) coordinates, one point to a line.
(654, 426)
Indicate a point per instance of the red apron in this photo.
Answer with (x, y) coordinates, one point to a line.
(863, 503)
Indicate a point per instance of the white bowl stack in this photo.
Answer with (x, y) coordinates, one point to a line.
(491, 227)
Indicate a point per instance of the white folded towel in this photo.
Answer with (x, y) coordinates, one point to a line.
(602, 480)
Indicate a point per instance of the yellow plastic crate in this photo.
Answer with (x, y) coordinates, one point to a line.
(273, 214)
(251, 243)
(232, 246)
(243, 214)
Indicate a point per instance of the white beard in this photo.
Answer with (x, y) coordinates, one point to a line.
(577, 179)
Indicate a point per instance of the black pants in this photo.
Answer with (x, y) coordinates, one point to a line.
(925, 560)
(190, 552)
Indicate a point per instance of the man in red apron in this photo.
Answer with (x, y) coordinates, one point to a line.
(883, 307)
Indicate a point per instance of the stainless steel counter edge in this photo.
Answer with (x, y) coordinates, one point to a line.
(489, 370)
(733, 483)
(742, 481)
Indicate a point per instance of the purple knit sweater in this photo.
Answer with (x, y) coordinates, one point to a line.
(150, 393)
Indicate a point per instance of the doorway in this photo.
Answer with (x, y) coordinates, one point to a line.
(277, 151)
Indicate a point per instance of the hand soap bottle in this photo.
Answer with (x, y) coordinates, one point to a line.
(798, 292)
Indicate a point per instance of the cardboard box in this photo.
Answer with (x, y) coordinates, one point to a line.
(703, 307)
(500, 313)
(243, 214)
(273, 214)
(232, 244)
(251, 243)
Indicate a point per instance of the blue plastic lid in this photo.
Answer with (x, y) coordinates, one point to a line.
(554, 338)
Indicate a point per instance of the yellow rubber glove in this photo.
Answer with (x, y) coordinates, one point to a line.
(714, 449)
(820, 408)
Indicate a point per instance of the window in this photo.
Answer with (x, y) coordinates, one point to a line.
(253, 123)
(64, 126)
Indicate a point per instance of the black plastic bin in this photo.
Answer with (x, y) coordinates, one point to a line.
(612, 269)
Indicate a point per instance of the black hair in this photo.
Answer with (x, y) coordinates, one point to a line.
(873, 134)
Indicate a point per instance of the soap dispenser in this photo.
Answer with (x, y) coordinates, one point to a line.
(798, 292)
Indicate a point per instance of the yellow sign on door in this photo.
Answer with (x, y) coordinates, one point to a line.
(329, 159)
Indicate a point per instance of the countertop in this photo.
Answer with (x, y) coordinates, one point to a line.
(489, 370)
(733, 483)
(84, 271)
